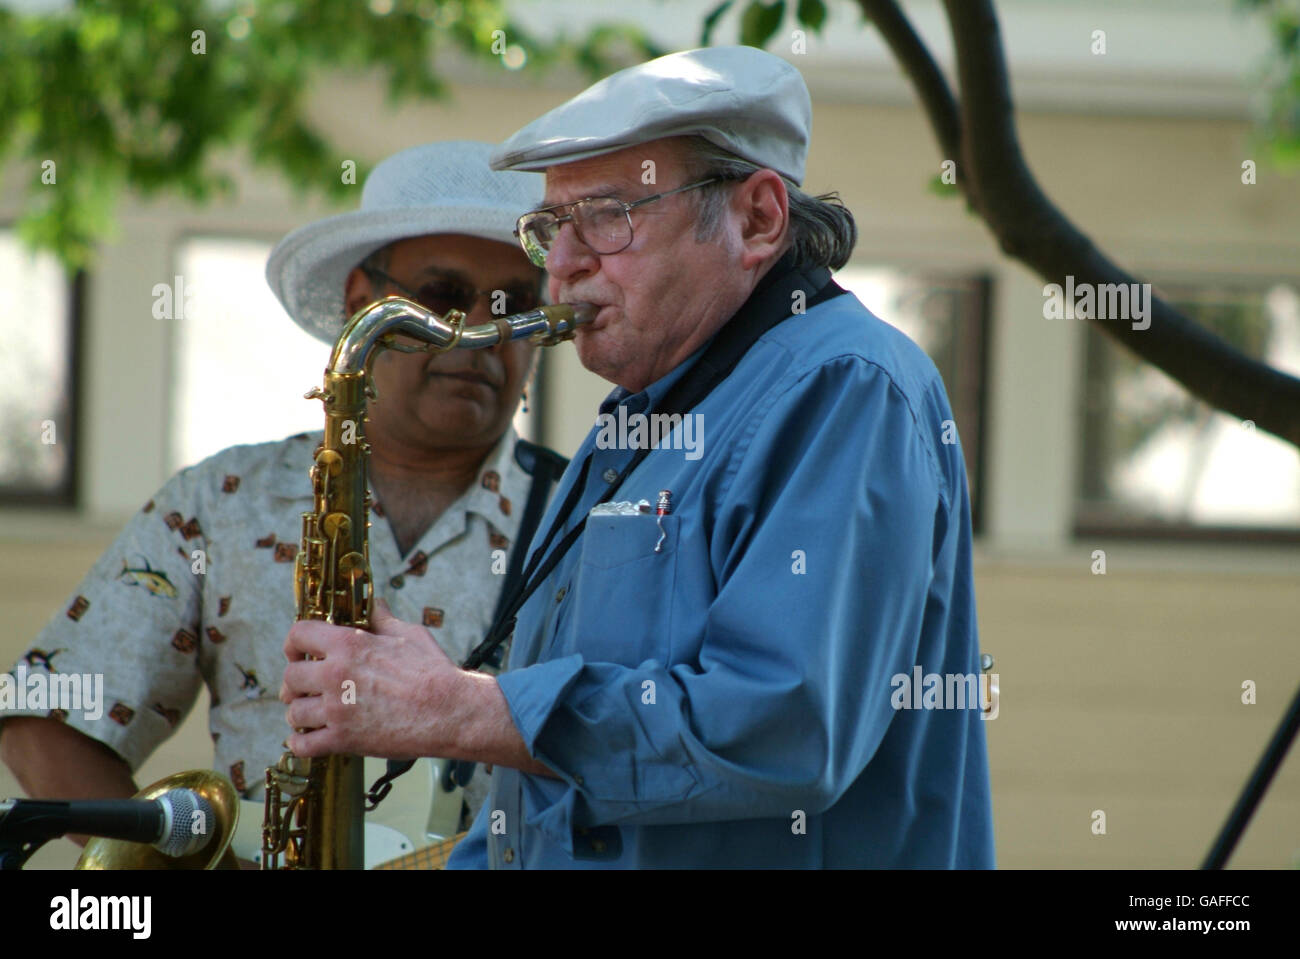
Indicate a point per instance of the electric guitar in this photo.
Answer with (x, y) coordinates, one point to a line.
(414, 827)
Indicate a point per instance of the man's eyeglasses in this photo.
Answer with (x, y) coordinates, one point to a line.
(445, 294)
(602, 223)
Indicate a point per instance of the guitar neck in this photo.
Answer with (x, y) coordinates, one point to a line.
(430, 857)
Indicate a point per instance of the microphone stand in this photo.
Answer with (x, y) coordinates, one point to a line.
(24, 831)
(1255, 787)
(14, 853)
(19, 841)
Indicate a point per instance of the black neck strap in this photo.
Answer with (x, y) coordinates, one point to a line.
(781, 293)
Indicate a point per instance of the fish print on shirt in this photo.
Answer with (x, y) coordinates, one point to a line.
(249, 685)
(155, 581)
(39, 657)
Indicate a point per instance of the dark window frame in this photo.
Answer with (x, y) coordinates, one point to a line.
(1090, 520)
(975, 365)
(66, 496)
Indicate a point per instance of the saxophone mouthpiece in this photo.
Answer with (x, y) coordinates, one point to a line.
(584, 313)
(549, 325)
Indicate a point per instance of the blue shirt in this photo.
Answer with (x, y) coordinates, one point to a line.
(732, 699)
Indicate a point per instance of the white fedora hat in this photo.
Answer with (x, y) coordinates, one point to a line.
(434, 188)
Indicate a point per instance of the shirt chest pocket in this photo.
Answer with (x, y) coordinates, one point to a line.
(621, 601)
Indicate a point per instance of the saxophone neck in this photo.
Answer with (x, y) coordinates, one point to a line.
(374, 326)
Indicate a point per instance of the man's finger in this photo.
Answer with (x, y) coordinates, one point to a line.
(301, 678)
(309, 638)
(307, 712)
(384, 623)
(318, 742)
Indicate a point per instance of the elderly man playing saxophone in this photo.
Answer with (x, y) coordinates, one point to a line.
(705, 659)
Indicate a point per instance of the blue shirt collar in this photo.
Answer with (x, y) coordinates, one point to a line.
(650, 397)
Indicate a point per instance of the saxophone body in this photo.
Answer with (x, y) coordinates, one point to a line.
(312, 817)
(313, 807)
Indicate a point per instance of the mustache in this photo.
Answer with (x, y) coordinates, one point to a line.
(578, 295)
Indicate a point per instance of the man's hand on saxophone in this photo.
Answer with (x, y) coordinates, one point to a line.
(409, 698)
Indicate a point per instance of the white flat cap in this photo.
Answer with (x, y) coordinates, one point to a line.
(744, 100)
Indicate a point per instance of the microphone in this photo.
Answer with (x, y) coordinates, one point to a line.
(166, 823)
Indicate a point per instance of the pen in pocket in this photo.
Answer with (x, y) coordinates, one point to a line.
(662, 508)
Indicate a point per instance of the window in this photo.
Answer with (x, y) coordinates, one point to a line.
(947, 316)
(242, 364)
(1157, 461)
(39, 329)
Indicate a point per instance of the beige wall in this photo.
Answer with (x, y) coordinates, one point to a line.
(1120, 692)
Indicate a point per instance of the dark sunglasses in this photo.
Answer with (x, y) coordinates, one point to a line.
(445, 294)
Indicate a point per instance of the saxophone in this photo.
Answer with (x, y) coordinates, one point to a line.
(313, 807)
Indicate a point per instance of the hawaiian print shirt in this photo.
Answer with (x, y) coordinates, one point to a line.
(198, 590)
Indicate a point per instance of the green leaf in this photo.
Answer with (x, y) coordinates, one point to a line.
(812, 14)
(1287, 31)
(939, 188)
(711, 22)
(760, 22)
(116, 95)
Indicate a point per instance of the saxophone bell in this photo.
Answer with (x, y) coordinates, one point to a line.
(101, 853)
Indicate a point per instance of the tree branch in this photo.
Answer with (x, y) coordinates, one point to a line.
(1030, 228)
(925, 74)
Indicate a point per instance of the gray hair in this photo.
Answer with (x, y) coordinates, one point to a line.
(822, 230)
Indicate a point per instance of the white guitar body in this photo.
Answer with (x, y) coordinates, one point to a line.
(417, 812)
